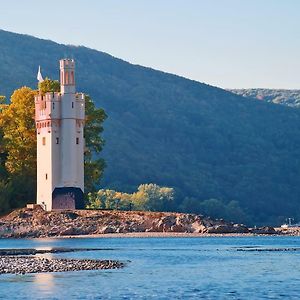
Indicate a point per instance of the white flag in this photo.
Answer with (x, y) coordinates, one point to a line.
(39, 75)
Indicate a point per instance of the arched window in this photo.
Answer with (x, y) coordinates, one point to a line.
(66, 77)
(72, 78)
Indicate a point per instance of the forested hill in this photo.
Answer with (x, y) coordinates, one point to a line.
(161, 128)
(285, 97)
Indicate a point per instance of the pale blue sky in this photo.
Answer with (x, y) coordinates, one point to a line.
(227, 43)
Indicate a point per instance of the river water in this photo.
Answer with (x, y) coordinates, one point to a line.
(165, 268)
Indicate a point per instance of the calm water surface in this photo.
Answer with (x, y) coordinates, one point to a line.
(165, 268)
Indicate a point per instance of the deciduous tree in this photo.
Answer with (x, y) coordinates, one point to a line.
(19, 138)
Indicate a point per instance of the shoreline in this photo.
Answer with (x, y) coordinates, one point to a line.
(37, 223)
(164, 235)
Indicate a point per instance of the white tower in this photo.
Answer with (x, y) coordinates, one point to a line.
(60, 144)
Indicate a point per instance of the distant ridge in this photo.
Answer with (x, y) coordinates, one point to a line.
(204, 141)
(278, 96)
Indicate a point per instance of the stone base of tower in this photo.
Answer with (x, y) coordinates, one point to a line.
(67, 198)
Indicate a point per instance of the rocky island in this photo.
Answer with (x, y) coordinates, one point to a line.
(36, 222)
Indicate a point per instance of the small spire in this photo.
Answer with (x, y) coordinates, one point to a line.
(39, 75)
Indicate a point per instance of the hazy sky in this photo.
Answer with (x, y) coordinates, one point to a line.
(227, 43)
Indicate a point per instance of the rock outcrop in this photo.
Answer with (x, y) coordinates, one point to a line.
(39, 223)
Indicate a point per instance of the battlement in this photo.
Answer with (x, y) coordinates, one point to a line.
(79, 97)
(67, 75)
(50, 96)
(67, 63)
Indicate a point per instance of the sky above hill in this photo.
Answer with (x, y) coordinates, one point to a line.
(227, 43)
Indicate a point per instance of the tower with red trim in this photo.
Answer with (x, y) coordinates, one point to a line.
(59, 118)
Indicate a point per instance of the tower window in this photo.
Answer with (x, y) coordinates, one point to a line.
(66, 78)
(72, 77)
(53, 105)
(46, 176)
(44, 141)
(72, 104)
(77, 141)
(57, 140)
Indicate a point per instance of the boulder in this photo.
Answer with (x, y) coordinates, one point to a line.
(240, 228)
(165, 223)
(106, 229)
(264, 230)
(220, 229)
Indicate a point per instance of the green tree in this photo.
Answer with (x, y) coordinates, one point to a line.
(235, 213)
(109, 199)
(152, 197)
(213, 207)
(148, 197)
(49, 85)
(94, 143)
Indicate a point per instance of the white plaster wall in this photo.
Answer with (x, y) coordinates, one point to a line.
(56, 157)
(69, 158)
(44, 166)
(80, 158)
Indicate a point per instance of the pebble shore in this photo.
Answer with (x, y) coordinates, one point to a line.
(30, 264)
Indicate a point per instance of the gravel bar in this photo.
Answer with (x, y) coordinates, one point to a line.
(4, 252)
(31, 264)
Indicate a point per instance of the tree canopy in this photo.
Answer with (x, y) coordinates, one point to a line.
(93, 167)
(19, 137)
(150, 197)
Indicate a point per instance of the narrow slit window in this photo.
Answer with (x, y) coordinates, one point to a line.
(46, 176)
(53, 105)
(66, 78)
(77, 141)
(72, 77)
(44, 141)
(57, 140)
(72, 104)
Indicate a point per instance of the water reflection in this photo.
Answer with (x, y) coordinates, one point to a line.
(44, 282)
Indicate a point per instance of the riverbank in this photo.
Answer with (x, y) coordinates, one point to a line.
(278, 232)
(37, 223)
